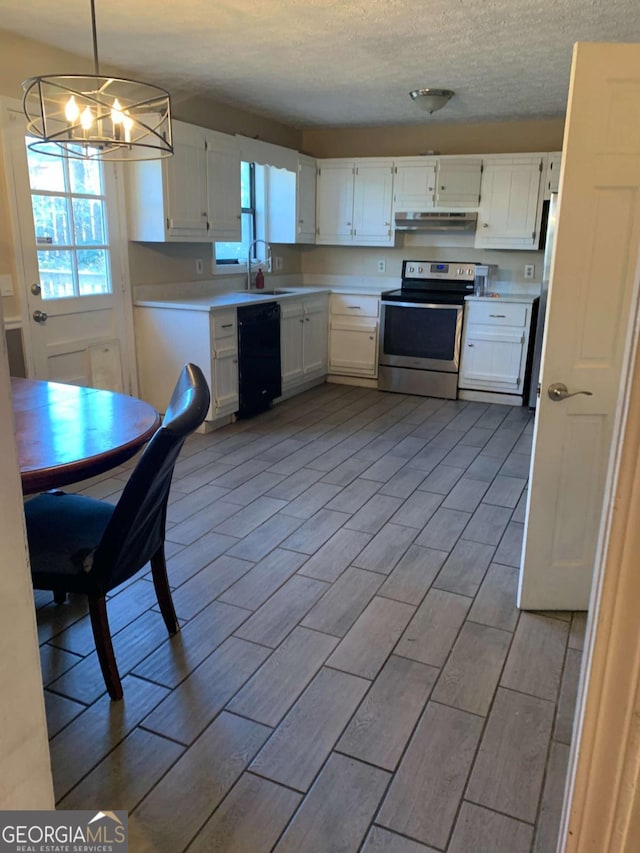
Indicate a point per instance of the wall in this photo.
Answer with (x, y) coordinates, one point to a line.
(496, 137)
(25, 780)
(363, 261)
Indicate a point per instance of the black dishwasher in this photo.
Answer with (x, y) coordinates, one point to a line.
(258, 357)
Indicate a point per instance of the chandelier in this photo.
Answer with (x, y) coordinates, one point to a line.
(93, 117)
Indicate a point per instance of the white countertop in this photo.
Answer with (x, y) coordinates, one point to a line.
(235, 299)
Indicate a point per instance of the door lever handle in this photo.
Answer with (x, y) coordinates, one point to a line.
(559, 391)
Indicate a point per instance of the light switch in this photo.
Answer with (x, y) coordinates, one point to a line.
(6, 285)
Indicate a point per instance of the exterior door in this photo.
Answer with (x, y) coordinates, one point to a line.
(594, 283)
(69, 254)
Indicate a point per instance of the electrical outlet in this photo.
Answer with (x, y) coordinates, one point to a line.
(529, 270)
(199, 266)
(278, 263)
(382, 265)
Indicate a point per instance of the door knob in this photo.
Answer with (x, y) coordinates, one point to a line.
(40, 316)
(559, 391)
(36, 289)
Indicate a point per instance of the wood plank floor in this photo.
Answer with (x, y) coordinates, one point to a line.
(352, 673)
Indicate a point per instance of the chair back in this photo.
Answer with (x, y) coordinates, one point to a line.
(136, 529)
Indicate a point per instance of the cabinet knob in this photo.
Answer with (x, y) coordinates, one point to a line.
(469, 345)
(204, 213)
(348, 223)
(370, 337)
(301, 320)
(442, 188)
(485, 224)
(306, 319)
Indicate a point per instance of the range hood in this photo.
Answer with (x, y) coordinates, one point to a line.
(435, 221)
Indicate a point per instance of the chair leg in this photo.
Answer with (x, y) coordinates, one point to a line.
(104, 646)
(59, 597)
(161, 584)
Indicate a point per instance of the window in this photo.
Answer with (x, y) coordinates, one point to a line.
(70, 219)
(236, 253)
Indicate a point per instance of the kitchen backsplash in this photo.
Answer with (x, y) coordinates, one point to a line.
(170, 263)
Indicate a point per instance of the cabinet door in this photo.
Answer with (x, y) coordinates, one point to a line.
(552, 175)
(186, 184)
(414, 184)
(372, 203)
(492, 360)
(225, 377)
(353, 348)
(314, 350)
(291, 352)
(509, 207)
(458, 183)
(223, 186)
(306, 201)
(334, 202)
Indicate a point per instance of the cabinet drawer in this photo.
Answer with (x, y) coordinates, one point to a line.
(494, 312)
(354, 306)
(291, 308)
(225, 324)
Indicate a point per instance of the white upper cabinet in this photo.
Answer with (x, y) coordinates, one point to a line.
(354, 202)
(334, 201)
(291, 202)
(458, 183)
(511, 202)
(306, 200)
(552, 174)
(223, 184)
(193, 196)
(427, 183)
(372, 203)
(414, 183)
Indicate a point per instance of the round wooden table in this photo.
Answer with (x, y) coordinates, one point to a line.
(67, 433)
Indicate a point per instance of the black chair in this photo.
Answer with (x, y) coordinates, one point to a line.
(81, 545)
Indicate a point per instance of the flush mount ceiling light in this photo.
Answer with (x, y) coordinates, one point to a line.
(431, 100)
(91, 117)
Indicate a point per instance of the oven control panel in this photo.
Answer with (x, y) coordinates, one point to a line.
(456, 271)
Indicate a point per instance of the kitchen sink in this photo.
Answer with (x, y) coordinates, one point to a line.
(263, 292)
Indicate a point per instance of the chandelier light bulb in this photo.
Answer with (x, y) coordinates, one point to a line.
(86, 119)
(72, 110)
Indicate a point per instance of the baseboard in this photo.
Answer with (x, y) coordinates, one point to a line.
(361, 381)
(490, 397)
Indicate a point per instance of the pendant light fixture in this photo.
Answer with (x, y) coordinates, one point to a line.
(92, 117)
(431, 100)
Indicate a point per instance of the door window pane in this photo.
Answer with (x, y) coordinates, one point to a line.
(51, 220)
(88, 221)
(45, 172)
(56, 274)
(85, 177)
(93, 272)
(69, 209)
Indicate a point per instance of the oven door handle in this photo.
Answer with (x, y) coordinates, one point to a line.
(438, 305)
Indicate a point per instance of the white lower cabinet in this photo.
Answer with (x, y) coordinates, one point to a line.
(303, 340)
(353, 335)
(167, 338)
(495, 346)
(224, 353)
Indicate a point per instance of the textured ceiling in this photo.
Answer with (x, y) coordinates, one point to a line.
(342, 62)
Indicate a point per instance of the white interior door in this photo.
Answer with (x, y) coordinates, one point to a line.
(70, 256)
(594, 281)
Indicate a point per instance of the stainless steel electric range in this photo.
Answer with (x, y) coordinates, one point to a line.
(421, 328)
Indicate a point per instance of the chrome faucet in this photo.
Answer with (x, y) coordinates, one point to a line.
(267, 259)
